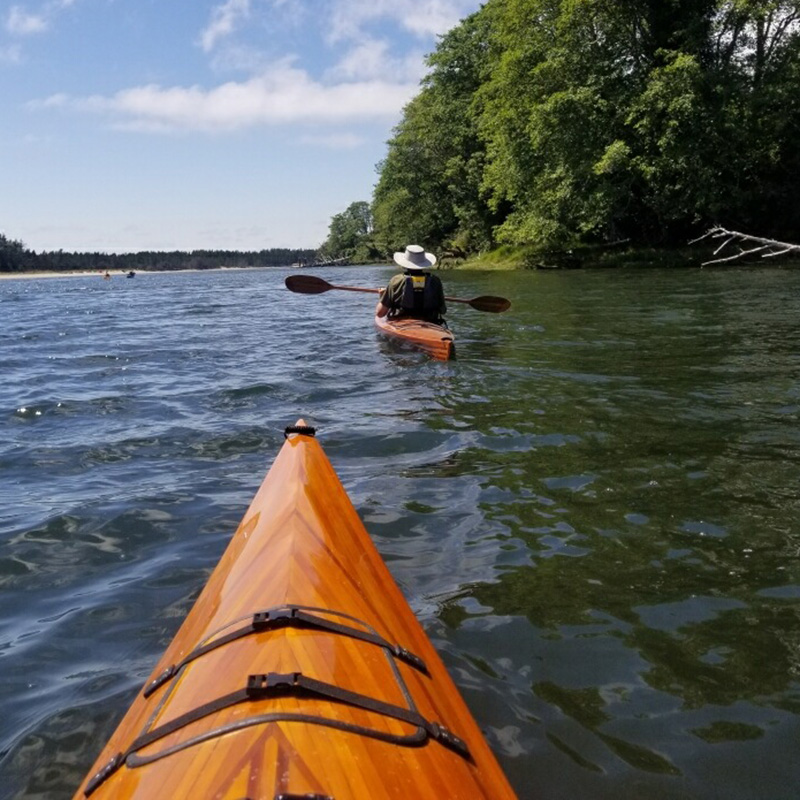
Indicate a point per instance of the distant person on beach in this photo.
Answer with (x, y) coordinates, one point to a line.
(414, 292)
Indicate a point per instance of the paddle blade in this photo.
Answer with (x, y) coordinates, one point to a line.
(494, 305)
(307, 284)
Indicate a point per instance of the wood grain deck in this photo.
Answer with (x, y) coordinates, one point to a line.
(301, 543)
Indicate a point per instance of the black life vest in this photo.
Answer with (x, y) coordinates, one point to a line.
(420, 298)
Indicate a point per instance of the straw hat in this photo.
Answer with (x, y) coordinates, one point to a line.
(414, 257)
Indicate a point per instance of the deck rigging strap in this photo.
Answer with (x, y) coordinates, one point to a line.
(294, 684)
(289, 616)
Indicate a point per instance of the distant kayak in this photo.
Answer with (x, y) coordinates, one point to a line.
(435, 340)
(300, 672)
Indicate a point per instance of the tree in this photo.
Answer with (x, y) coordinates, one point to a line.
(563, 121)
(350, 234)
(429, 189)
(14, 256)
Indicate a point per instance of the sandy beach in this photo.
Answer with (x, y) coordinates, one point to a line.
(65, 274)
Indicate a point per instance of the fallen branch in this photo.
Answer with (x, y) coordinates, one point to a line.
(724, 244)
(779, 252)
(773, 247)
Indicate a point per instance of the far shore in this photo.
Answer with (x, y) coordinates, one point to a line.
(115, 273)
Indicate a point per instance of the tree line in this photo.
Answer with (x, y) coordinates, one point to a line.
(566, 122)
(15, 257)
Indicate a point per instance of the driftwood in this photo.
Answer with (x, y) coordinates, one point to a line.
(736, 239)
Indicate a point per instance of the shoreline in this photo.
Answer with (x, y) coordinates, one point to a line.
(114, 273)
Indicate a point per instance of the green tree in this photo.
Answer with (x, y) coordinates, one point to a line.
(429, 189)
(14, 256)
(560, 121)
(350, 234)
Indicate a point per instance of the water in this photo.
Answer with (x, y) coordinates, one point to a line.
(593, 511)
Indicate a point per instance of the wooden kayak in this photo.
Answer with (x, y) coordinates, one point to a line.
(300, 672)
(436, 340)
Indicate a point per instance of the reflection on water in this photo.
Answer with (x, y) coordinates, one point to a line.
(593, 510)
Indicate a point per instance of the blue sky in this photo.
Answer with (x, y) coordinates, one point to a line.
(185, 124)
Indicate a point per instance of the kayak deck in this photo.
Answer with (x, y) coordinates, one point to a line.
(300, 670)
(435, 340)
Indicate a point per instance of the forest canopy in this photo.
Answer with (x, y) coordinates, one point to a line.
(560, 122)
(15, 257)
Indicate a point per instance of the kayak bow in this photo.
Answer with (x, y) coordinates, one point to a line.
(435, 340)
(300, 671)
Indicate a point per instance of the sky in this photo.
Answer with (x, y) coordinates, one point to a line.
(130, 125)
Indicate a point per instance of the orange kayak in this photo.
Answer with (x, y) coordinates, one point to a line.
(300, 671)
(436, 340)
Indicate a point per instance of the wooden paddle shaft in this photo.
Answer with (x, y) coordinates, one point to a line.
(310, 284)
(378, 291)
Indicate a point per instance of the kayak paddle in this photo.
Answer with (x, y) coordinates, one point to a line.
(308, 284)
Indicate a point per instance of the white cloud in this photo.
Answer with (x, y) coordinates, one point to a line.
(10, 54)
(423, 18)
(54, 101)
(371, 59)
(239, 58)
(361, 24)
(370, 80)
(292, 13)
(334, 141)
(20, 23)
(224, 20)
(280, 96)
(435, 17)
(342, 20)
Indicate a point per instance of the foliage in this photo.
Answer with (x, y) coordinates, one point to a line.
(429, 189)
(350, 234)
(556, 122)
(15, 257)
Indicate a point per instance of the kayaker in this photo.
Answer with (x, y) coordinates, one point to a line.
(415, 292)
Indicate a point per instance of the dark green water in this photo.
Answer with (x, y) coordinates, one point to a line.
(593, 510)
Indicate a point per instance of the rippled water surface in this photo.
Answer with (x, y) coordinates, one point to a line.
(593, 511)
